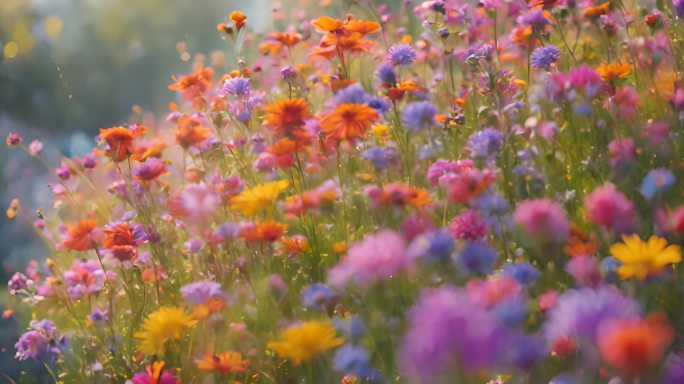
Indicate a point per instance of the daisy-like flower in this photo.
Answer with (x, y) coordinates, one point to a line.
(190, 132)
(348, 121)
(641, 259)
(81, 236)
(192, 86)
(287, 116)
(120, 141)
(304, 341)
(225, 363)
(161, 326)
(613, 72)
(256, 199)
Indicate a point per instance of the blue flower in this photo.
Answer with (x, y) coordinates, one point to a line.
(476, 258)
(237, 86)
(401, 54)
(523, 272)
(656, 182)
(433, 246)
(353, 94)
(419, 115)
(485, 144)
(380, 157)
(353, 328)
(352, 360)
(386, 75)
(544, 57)
(317, 295)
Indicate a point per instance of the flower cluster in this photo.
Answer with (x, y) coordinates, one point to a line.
(445, 192)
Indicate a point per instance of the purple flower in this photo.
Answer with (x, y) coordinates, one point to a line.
(353, 94)
(674, 370)
(63, 172)
(476, 258)
(544, 57)
(200, 292)
(579, 312)
(419, 115)
(433, 246)
(86, 278)
(40, 343)
(447, 327)
(380, 157)
(377, 256)
(523, 272)
(317, 296)
(679, 7)
(485, 144)
(656, 182)
(237, 86)
(352, 327)
(585, 269)
(89, 161)
(524, 351)
(18, 282)
(99, 316)
(386, 75)
(288, 73)
(401, 54)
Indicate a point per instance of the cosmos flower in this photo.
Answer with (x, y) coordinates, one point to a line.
(163, 325)
(82, 236)
(286, 116)
(120, 141)
(303, 341)
(641, 259)
(193, 86)
(348, 122)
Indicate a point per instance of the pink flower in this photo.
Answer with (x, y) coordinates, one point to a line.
(378, 256)
(196, 203)
(624, 103)
(542, 218)
(469, 225)
(585, 269)
(609, 208)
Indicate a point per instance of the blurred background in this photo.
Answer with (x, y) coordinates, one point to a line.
(70, 67)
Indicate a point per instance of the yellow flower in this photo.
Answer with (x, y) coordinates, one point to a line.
(302, 342)
(613, 71)
(641, 259)
(166, 323)
(255, 199)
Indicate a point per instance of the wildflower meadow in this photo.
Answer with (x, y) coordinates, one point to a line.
(437, 192)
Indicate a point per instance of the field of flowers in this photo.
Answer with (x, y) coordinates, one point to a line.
(439, 193)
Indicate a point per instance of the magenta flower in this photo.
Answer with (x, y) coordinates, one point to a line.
(609, 208)
(377, 256)
(542, 218)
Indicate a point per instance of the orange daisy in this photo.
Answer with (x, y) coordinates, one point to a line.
(239, 18)
(286, 116)
(276, 41)
(81, 236)
(120, 141)
(348, 121)
(190, 132)
(613, 71)
(225, 363)
(195, 84)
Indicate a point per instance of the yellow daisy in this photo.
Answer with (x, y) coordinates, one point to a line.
(302, 342)
(641, 259)
(162, 325)
(257, 198)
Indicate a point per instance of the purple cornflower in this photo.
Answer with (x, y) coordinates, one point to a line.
(317, 296)
(542, 218)
(353, 94)
(419, 115)
(476, 258)
(656, 182)
(524, 273)
(485, 144)
(380, 157)
(386, 75)
(401, 54)
(237, 86)
(579, 312)
(200, 292)
(544, 57)
(288, 73)
(433, 246)
(447, 327)
(377, 256)
(40, 343)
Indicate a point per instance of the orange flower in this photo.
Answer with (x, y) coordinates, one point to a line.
(194, 85)
(190, 132)
(597, 11)
(632, 346)
(225, 363)
(119, 239)
(81, 236)
(120, 141)
(332, 45)
(287, 116)
(579, 244)
(363, 27)
(266, 231)
(329, 25)
(295, 245)
(613, 71)
(522, 35)
(276, 41)
(239, 18)
(348, 121)
(536, 4)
